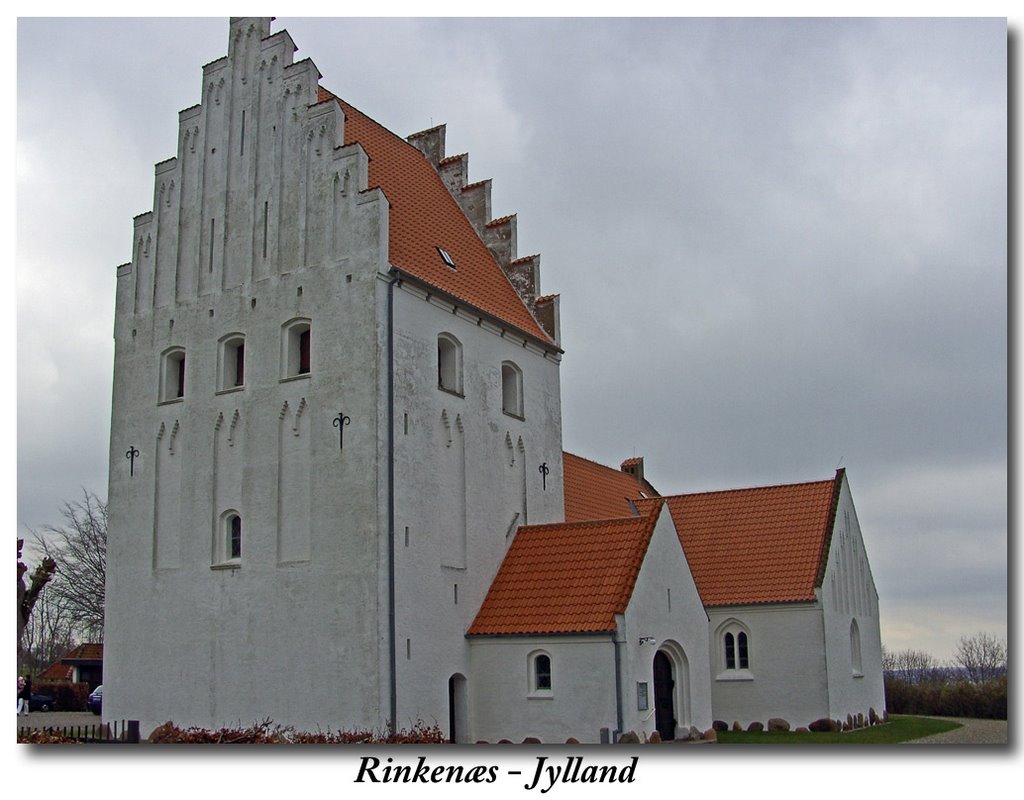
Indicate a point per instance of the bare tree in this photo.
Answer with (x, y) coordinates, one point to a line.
(888, 660)
(28, 596)
(48, 636)
(982, 656)
(912, 666)
(80, 546)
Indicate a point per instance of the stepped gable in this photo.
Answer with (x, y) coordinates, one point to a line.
(565, 578)
(594, 491)
(424, 216)
(763, 545)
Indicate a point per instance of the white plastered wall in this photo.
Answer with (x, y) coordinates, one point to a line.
(847, 594)
(459, 486)
(291, 632)
(665, 611)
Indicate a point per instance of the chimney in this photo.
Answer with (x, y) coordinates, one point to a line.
(635, 467)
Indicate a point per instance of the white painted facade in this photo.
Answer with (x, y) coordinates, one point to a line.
(801, 665)
(262, 228)
(285, 540)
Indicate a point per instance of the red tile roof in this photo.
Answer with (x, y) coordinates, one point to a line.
(60, 671)
(424, 216)
(56, 672)
(594, 491)
(763, 545)
(565, 578)
(86, 652)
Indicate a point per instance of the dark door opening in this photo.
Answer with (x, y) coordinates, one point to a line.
(664, 702)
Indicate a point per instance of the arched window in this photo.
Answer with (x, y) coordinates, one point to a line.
(228, 548)
(734, 647)
(540, 673)
(231, 362)
(449, 363)
(855, 660)
(172, 374)
(511, 389)
(296, 343)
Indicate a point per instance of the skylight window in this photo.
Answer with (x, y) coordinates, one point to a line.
(446, 258)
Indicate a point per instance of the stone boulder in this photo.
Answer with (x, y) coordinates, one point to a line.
(823, 725)
(629, 737)
(755, 727)
(719, 725)
(710, 735)
(777, 724)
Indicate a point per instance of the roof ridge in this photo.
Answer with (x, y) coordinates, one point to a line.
(745, 489)
(518, 317)
(589, 523)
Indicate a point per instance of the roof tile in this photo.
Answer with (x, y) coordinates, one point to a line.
(565, 578)
(594, 491)
(424, 216)
(761, 545)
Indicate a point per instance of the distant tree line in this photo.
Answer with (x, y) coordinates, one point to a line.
(972, 684)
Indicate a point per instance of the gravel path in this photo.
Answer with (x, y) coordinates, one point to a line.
(974, 731)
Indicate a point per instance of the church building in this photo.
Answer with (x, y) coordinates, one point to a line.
(338, 496)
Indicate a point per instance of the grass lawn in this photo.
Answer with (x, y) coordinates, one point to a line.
(899, 728)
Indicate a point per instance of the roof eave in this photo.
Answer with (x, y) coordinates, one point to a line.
(476, 310)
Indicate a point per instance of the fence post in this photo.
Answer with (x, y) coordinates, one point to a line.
(132, 732)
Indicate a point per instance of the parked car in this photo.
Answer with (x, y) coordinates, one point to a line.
(40, 702)
(95, 701)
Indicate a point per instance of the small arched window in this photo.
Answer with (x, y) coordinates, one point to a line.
(855, 659)
(231, 366)
(540, 673)
(228, 547)
(296, 344)
(172, 374)
(511, 389)
(449, 363)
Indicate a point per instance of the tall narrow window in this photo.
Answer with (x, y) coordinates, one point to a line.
(511, 389)
(172, 374)
(235, 538)
(855, 660)
(730, 651)
(231, 362)
(449, 363)
(266, 216)
(228, 545)
(296, 348)
(241, 150)
(304, 352)
(741, 650)
(240, 364)
(540, 673)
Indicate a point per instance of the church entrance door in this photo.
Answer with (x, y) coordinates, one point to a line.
(664, 696)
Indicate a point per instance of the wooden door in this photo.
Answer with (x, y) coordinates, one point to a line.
(664, 697)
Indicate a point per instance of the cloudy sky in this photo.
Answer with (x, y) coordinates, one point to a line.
(780, 245)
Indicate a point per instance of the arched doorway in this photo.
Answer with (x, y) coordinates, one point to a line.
(664, 696)
(458, 716)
